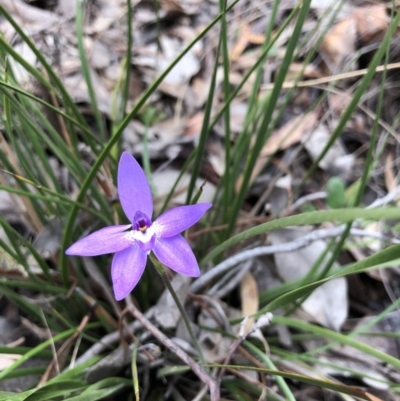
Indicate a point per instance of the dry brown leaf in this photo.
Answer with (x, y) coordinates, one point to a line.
(339, 45)
(390, 178)
(58, 362)
(198, 91)
(289, 134)
(310, 71)
(246, 37)
(338, 102)
(249, 297)
(193, 125)
(236, 78)
(248, 59)
(372, 21)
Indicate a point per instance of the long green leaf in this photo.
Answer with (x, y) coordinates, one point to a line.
(377, 259)
(338, 215)
(341, 338)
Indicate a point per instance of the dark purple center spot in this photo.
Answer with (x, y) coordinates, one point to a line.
(141, 222)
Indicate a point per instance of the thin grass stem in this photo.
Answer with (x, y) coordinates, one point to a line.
(161, 271)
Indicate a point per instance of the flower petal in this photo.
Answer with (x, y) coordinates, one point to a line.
(126, 269)
(178, 219)
(107, 240)
(176, 253)
(133, 188)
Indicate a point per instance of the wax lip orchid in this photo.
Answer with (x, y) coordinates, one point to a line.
(131, 243)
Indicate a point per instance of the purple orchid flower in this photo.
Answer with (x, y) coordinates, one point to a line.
(131, 243)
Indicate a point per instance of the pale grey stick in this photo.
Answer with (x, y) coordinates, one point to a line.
(305, 199)
(281, 248)
(212, 384)
(110, 339)
(227, 284)
(390, 197)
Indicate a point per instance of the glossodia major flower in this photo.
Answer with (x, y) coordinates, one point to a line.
(132, 242)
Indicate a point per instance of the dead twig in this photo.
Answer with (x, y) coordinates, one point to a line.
(303, 200)
(281, 248)
(60, 356)
(263, 321)
(108, 340)
(230, 281)
(212, 384)
(390, 197)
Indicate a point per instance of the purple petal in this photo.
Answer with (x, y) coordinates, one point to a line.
(133, 188)
(126, 269)
(107, 240)
(176, 220)
(176, 253)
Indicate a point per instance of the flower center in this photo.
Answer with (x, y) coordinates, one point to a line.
(141, 222)
(143, 232)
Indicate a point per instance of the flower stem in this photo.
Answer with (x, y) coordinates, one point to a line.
(161, 271)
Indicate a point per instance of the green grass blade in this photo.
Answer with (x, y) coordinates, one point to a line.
(80, 16)
(377, 259)
(341, 338)
(318, 217)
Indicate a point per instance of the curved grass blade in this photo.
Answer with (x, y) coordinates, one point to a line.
(377, 259)
(318, 217)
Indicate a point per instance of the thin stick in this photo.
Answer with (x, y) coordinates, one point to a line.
(263, 321)
(108, 340)
(294, 245)
(241, 337)
(333, 78)
(196, 368)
